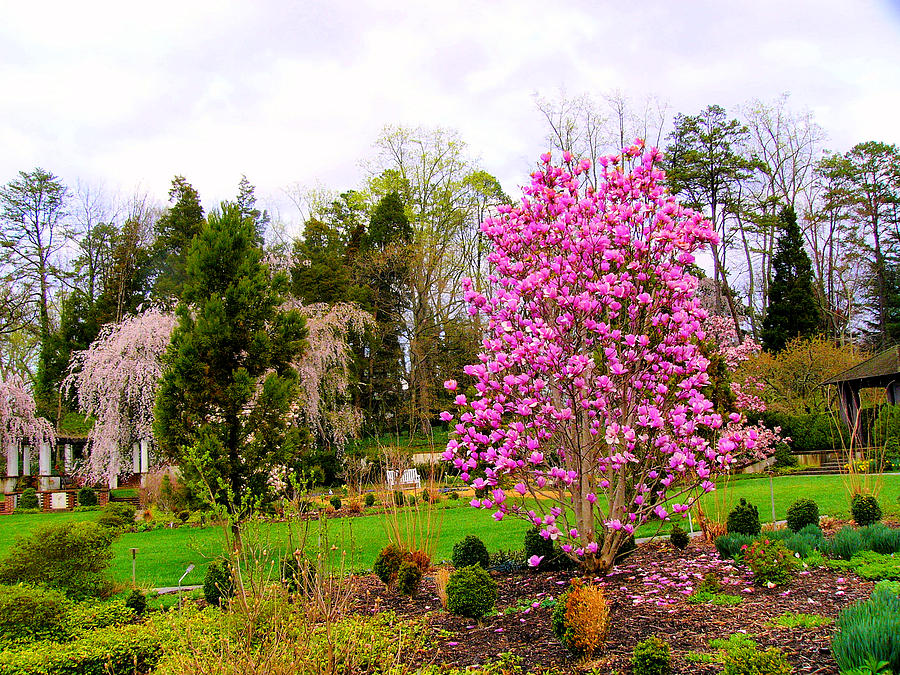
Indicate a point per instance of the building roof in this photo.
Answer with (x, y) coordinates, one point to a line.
(881, 368)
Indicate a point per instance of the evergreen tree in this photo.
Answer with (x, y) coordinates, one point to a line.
(223, 408)
(793, 310)
(175, 230)
(321, 274)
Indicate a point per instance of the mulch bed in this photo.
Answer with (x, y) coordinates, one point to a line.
(647, 594)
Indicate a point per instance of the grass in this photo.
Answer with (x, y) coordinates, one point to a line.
(164, 554)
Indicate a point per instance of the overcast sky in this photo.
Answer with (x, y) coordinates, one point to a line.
(129, 94)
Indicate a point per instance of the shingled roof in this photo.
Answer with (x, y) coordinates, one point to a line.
(881, 368)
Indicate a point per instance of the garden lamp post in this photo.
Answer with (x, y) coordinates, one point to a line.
(133, 563)
(189, 569)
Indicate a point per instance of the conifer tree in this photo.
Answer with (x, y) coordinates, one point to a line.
(223, 408)
(793, 310)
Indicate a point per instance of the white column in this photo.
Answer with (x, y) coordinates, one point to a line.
(12, 459)
(67, 457)
(26, 460)
(145, 456)
(44, 468)
(135, 458)
(113, 482)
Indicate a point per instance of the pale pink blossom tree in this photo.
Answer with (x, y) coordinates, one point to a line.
(116, 380)
(19, 421)
(587, 401)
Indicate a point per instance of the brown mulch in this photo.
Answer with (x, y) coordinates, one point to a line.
(647, 596)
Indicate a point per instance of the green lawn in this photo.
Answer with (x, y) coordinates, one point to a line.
(163, 555)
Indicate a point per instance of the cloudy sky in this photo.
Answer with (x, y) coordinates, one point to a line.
(128, 94)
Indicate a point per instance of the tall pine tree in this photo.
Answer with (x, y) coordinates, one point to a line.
(793, 310)
(222, 412)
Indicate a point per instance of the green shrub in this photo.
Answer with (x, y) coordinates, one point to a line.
(409, 578)
(536, 545)
(801, 513)
(454, 496)
(471, 592)
(865, 509)
(84, 617)
(508, 561)
(771, 561)
(730, 546)
(580, 618)
(369, 499)
(117, 515)
(387, 564)
(411, 500)
(869, 629)
(71, 557)
(710, 584)
(136, 601)
(651, 657)
(29, 613)
(845, 543)
(752, 661)
(87, 497)
(744, 519)
(298, 574)
(784, 458)
(470, 551)
(871, 565)
(678, 537)
(28, 499)
(218, 584)
(335, 501)
(399, 498)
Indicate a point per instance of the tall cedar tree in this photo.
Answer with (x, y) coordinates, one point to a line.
(223, 409)
(793, 310)
(175, 230)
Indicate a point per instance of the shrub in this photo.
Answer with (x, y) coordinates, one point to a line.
(508, 561)
(84, 617)
(580, 618)
(411, 500)
(881, 538)
(471, 592)
(869, 629)
(651, 657)
(731, 546)
(28, 499)
(87, 497)
(29, 613)
(752, 661)
(536, 545)
(136, 601)
(865, 509)
(117, 515)
(218, 584)
(678, 537)
(771, 561)
(871, 565)
(783, 456)
(845, 543)
(387, 564)
(399, 498)
(801, 513)
(710, 584)
(354, 506)
(454, 496)
(470, 551)
(71, 557)
(744, 519)
(335, 501)
(369, 499)
(409, 578)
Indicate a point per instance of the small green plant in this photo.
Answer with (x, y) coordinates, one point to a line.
(218, 584)
(875, 566)
(28, 499)
(471, 592)
(369, 499)
(801, 513)
(865, 509)
(744, 519)
(678, 537)
(731, 546)
(580, 618)
(409, 578)
(800, 620)
(871, 666)
(117, 516)
(771, 561)
(869, 629)
(470, 551)
(732, 642)
(651, 657)
(87, 497)
(335, 502)
(710, 584)
(753, 661)
(136, 601)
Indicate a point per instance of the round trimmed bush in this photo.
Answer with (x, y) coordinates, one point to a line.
(471, 592)
(744, 519)
(87, 497)
(136, 602)
(865, 509)
(28, 499)
(535, 544)
(335, 502)
(580, 618)
(651, 657)
(409, 578)
(218, 583)
(678, 537)
(470, 551)
(387, 564)
(801, 513)
(369, 499)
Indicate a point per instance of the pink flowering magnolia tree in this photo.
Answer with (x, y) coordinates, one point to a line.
(587, 416)
(18, 417)
(116, 380)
